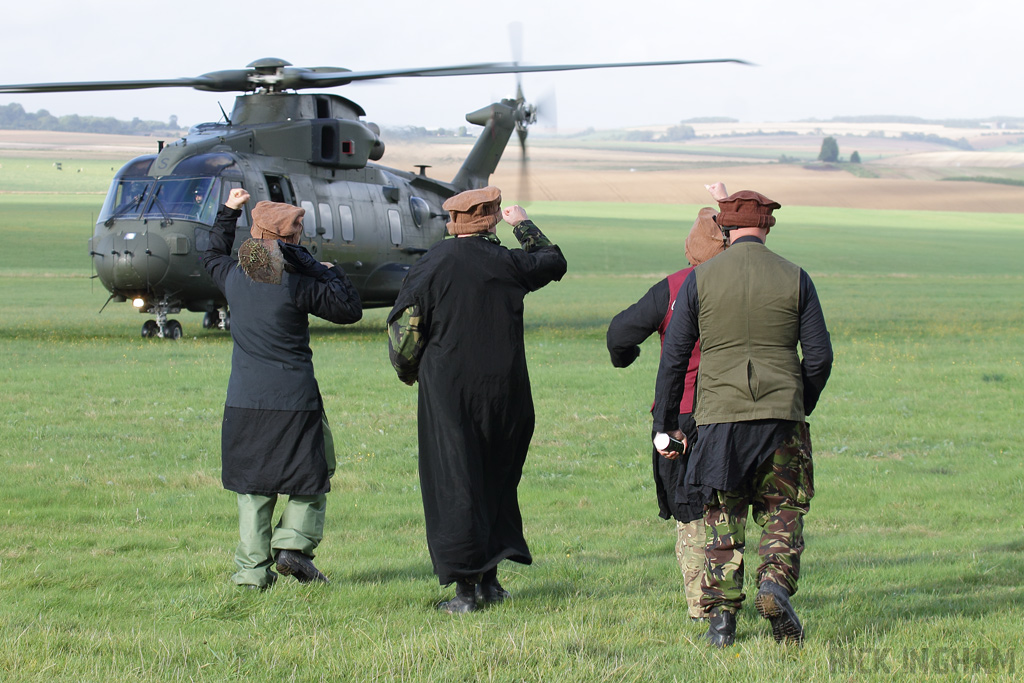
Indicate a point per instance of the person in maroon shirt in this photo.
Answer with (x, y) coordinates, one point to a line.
(626, 332)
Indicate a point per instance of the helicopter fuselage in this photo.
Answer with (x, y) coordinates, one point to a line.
(371, 220)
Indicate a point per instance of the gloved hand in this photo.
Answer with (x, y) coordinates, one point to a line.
(300, 260)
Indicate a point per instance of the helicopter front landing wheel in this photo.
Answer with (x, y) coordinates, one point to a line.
(172, 330)
(150, 329)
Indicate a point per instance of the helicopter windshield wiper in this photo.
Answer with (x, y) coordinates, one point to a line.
(163, 211)
(134, 203)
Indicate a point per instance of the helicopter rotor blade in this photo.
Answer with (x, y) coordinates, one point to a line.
(515, 38)
(514, 68)
(105, 85)
(276, 75)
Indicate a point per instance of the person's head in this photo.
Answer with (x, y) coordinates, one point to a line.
(277, 221)
(746, 213)
(705, 239)
(474, 211)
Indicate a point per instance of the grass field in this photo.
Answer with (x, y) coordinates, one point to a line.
(118, 539)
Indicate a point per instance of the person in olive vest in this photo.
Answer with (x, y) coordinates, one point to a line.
(275, 438)
(751, 309)
(627, 330)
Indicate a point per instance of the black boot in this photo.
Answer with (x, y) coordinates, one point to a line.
(489, 591)
(772, 603)
(299, 565)
(464, 600)
(721, 628)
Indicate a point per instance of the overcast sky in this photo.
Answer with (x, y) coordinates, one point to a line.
(816, 59)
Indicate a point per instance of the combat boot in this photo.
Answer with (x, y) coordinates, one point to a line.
(489, 591)
(464, 600)
(299, 565)
(721, 628)
(772, 603)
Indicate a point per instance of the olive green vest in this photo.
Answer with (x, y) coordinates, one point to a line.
(749, 327)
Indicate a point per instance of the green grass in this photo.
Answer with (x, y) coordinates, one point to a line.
(118, 539)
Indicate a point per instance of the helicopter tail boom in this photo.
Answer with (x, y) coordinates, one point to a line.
(499, 120)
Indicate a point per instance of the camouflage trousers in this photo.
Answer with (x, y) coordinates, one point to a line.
(690, 555)
(779, 494)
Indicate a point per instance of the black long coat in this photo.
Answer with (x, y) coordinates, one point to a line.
(475, 410)
(272, 435)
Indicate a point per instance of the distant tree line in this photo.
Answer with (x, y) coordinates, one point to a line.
(14, 117)
(419, 132)
(673, 134)
(994, 121)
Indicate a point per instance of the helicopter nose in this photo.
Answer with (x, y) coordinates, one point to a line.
(130, 260)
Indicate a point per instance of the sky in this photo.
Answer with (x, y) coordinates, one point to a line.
(814, 60)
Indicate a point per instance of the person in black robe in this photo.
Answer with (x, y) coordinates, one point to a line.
(275, 438)
(457, 327)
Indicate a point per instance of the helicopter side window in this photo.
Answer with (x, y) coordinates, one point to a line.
(326, 222)
(279, 189)
(395, 222)
(347, 224)
(309, 221)
(420, 210)
(226, 187)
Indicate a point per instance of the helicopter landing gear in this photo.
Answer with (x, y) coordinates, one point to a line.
(162, 327)
(220, 319)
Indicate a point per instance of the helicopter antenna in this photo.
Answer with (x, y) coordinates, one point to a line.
(109, 299)
(226, 117)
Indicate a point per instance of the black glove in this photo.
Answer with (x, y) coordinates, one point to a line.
(300, 260)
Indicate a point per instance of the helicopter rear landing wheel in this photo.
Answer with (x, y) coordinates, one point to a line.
(210, 320)
(150, 329)
(172, 330)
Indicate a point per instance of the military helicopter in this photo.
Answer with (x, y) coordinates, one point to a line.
(311, 150)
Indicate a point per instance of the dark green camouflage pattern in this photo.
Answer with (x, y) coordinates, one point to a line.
(405, 344)
(530, 237)
(779, 494)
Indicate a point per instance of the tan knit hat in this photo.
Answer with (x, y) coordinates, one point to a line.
(274, 220)
(474, 211)
(705, 239)
(746, 209)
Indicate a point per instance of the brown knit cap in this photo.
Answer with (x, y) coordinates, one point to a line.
(746, 209)
(474, 211)
(274, 220)
(705, 239)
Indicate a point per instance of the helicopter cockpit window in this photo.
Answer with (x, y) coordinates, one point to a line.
(129, 191)
(327, 221)
(126, 198)
(204, 164)
(194, 199)
(420, 210)
(309, 220)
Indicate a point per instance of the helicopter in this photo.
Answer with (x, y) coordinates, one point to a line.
(312, 150)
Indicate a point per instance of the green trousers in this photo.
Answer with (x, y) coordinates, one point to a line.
(301, 527)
